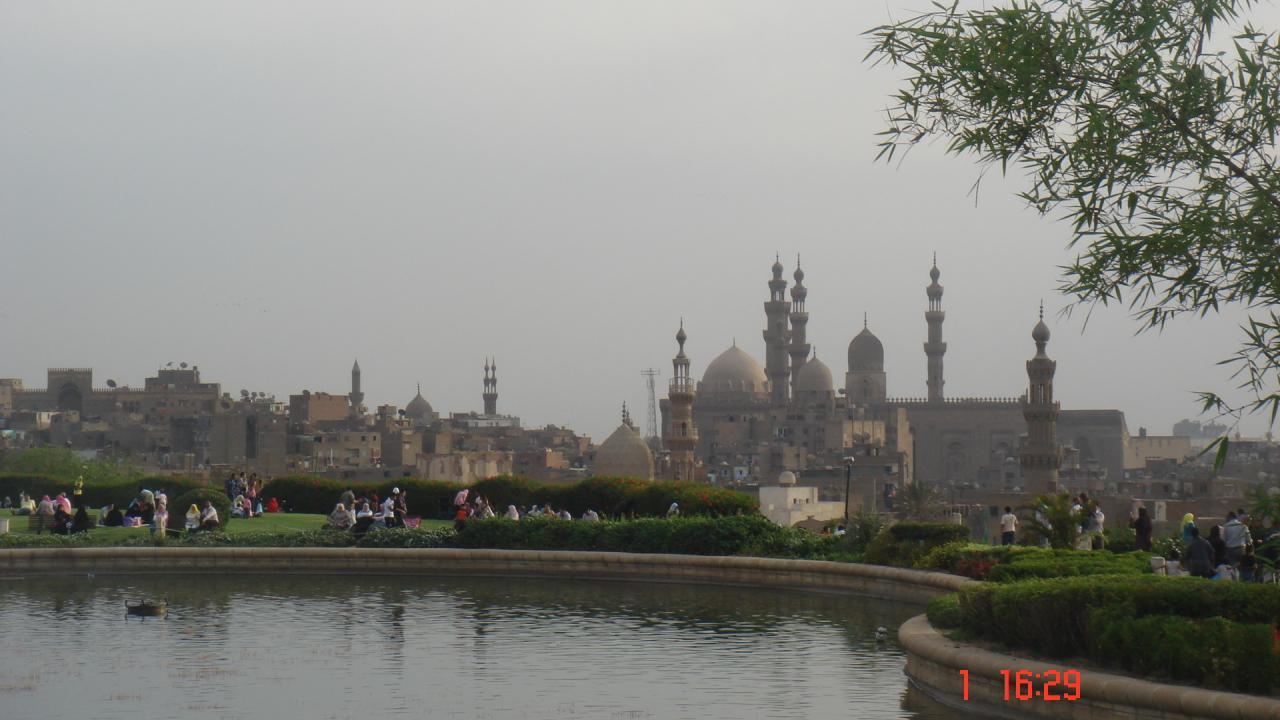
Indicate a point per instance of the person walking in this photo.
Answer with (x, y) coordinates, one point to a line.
(1008, 526)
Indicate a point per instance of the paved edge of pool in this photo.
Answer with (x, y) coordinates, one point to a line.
(914, 586)
(934, 662)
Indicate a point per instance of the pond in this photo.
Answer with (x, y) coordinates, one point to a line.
(375, 647)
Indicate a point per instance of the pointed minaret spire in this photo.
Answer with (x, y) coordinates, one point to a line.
(934, 348)
(864, 319)
(356, 397)
(490, 386)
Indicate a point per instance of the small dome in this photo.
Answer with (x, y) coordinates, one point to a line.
(934, 274)
(799, 274)
(1040, 333)
(866, 352)
(786, 477)
(814, 376)
(734, 371)
(777, 268)
(680, 336)
(418, 408)
(624, 454)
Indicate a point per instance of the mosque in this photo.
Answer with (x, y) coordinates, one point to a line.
(749, 423)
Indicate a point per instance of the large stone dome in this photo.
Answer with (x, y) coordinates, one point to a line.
(624, 454)
(418, 408)
(734, 371)
(814, 376)
(866, 352)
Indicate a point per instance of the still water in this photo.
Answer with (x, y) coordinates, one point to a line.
(375, 647)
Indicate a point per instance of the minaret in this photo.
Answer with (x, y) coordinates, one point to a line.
(490, 387)
(935, 348)
(356, 397)
(776, 336)
(1040, 455)
(681, 437)
(799, 349)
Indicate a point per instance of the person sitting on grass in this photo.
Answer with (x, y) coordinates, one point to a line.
(114, 517)
(193, 519)
(209, 516)
(161, 519)
(61, 521)
(341, 518)
(81, 521)
(237, 507)
(365, 521)
(273, 505)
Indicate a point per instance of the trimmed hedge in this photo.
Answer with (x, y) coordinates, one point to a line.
(96, 494)
(1008, 563)
(905, 543)
(1188, 628)
(615, 497)
(745, 535)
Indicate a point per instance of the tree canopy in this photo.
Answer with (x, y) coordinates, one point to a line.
(1157, 146)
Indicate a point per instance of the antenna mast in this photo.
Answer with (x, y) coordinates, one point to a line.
(652, 428)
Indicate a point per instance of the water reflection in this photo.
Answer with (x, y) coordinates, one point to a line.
(339, 647)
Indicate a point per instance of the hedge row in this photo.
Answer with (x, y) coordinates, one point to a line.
(1183, 628)
(1008, 563)
(615, 497)
(905, 543)
(119, 491)
(744, 535)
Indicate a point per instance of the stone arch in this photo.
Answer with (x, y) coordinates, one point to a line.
(69, 398)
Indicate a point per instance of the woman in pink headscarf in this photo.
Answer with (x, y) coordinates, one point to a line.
(63, 503)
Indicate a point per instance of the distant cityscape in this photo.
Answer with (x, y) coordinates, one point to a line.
(782, 428)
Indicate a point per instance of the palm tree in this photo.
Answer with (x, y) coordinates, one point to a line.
(920, 501)
(1053, 520)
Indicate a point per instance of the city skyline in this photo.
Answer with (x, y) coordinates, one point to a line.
(471, 183)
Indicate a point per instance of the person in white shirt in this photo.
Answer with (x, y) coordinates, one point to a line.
(1008, 526)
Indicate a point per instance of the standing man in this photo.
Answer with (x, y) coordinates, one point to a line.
(1008, 526)
(1235, 535)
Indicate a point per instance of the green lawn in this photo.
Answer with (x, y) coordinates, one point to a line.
(270, 522)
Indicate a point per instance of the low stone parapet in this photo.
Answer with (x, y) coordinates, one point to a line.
(915, 586)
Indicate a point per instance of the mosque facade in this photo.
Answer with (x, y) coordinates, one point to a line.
(751, 422)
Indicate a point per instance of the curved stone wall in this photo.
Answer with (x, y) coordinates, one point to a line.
(934, 663)
(915, 586)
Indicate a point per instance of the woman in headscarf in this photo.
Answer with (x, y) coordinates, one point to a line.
(674, 510)
(341, 518)
(193, 518)
(63, 503)
(512, 513)
(209, 517)
(1188, 522)
(1142, 529)
(81, 522)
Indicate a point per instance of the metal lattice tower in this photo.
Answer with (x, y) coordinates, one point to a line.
(650, 376)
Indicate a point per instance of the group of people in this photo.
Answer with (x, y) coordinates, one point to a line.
(365, 513)
(479, 507)
(1229, 552)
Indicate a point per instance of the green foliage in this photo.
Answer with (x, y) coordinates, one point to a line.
(1009, 563)
(1264, 505)
(944, 611)
(1159, 151)
(739, 535)
(1121, 540)
(178, 506)
(1090, 616)
(1169, 548)
(905, 543)
(920, 501)
(1056, 522)
(863, 527)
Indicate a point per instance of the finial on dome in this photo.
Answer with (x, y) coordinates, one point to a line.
(681, 336)
(1040, 333)
(1042, 309)
(419, 388)
(934, 274)
(864, 320)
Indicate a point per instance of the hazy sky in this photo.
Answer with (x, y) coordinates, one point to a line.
(268, 189)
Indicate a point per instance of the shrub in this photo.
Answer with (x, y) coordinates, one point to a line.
(692, 536)
(1116, 620)
(905, 543)
(944, 611)
(1120, 540)
(178, 506)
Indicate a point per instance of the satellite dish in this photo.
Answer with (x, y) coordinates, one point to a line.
(244, 393)
(182, 365)
(111, 383)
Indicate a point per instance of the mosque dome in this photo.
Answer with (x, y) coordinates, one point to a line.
(418, 408)
(786, 477)
(624, 454)
(734, 371)
(866, 352)
(814, 376)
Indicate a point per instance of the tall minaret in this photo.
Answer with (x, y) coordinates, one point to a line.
(776, 336)
(681, 435)
(490, 387)
(799, 349)
(1040, 455)
(356, 397)
(935, 348)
